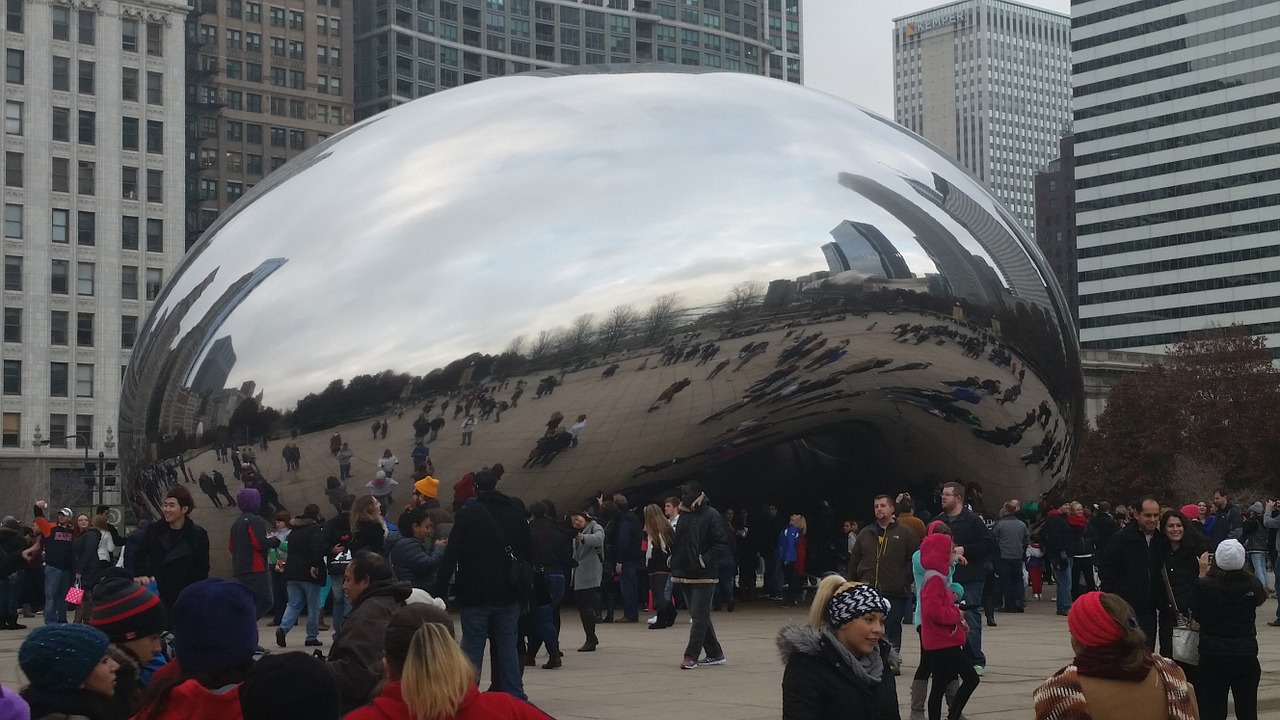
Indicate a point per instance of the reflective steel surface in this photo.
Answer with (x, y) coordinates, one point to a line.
(733, 278)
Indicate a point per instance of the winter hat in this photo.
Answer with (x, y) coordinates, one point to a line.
(427, 487)
(215, 625)
(11, 522)
(125, 610)
(12, 706)
(936, 527)
(249, 500)
(67, 511)
(379, 479)
(1229, 555)
(285, 685)
(1256, 508)
(61, 657)
(1091, 624)
(485, 481)
(1191, 511)
(853, 603)
(935, 553)
(418, 595)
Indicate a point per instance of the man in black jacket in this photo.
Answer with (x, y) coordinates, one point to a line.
(1055, 534)
(1129, 566)
(623, 536)
(970, 533)
(175, 553)
(699, 544)
(489, 600)
(1228, 521)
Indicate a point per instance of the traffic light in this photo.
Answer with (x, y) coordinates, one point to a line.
(90, 474)
(109, 474)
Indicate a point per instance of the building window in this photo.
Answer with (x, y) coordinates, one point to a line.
(276, 15)
(234, 191)
(13, 272)
(129, 133)
(155, 88)
(129, 183)
(155, 186)
(12, 372)
(129, 35)
(253, 44)
(85, 178)
(155, 278)
(12, 431)
(13, 224)
(13, 169)
(61, 174)
(155, 39)
(12, 117)
(155, 235)
(61, 17)
(84, 329)
(88, 127)
(58, 277)
(58, 320)
(13, 16)
(128, 331)
(58, 430)
(253, 12)
(60, 232)
(84, 380)
(13, 325)
(129, 233)
(14, 67)
(84, 278)
(58, 379)
(129, 282)
(86, 27)
(62, 124)
(129, 84)
(84, 429)
(87, 77)
(278, 136)
(86, 228)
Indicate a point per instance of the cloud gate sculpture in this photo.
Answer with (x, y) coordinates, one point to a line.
(734, 279)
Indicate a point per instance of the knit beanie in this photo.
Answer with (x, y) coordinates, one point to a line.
(215, 625)
(289, 685)
(1191, 511)
(427, 487)
(1229, 555)
(12, 706)
(61, 657)
(249, 500)
(485, 481)
(125, 610)
(1091, 624)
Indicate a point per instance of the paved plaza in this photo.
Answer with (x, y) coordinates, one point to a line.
(634, 673)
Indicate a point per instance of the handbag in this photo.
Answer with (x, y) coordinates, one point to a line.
(75, 594)
(1186, 635)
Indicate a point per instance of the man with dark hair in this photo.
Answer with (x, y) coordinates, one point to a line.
(1103, 525)
(700, 542)
(1130, 566)
(174, 553)
(1228, 522)
(623, 537)
(881, 558)
(969, 533)
(907, 516)
(355, 659)
(1012, 538)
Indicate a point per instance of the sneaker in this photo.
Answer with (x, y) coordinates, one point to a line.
(652, 620)
(1274, 623)
(314, 643)
(1036, 596)
(712, 660)
(980, 670)
(689, 664)
(280, 638)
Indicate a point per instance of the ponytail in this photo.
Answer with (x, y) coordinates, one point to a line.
(436, 675)
(828, 587)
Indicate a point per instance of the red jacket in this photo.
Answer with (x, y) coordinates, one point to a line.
(475, 706)
(192, 700)
(939, 617)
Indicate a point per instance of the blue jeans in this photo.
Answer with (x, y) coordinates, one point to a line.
(548, 633)
(726, 570)
(893, 621)
(299, 593)
(1062, 575)
(501, 623)
(1011, 579)
(56, 583)
(1259, 560)
(627, 586)
(973, 599)
(341, 604)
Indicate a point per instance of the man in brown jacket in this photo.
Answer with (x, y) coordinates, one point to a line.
(356, 656)
(882, 559)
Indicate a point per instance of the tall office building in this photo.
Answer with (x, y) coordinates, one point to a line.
(987, 81)
(1177, 189)
(93, 175)
(1056, 220)
(265, 81)
(410, 48)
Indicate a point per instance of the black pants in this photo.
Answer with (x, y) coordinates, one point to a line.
(794, 590)
(946, 665)
(1239, 675)
(666, 611)
(588, 607)
(1082, 570)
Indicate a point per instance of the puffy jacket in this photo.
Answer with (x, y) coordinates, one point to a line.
(356, 657)
(1226, 611)
(1255, 535)
(788, 544)
(940, 625)
(190, 699)
(1227, 523)
(821, 683)
(249, 545)
(307, 548)
(969, 532)
(884, 564)
(699, 544)
(475, 706)
(552, 550)
(413, 562)
(476, 551)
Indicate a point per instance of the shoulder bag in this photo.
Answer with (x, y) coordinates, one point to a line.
(521, 573)
(1186, 635)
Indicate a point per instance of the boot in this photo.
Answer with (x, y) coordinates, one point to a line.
(951, 696)
(553, 663)
(919, 696)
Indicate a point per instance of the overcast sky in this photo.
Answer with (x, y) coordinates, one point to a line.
(848, 46)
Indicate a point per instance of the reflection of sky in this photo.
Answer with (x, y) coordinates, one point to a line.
(512, 206)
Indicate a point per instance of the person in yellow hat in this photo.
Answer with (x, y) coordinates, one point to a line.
(425, 490)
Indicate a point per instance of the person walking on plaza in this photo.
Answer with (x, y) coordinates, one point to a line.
(588, 556)
(1225, 602)
(881, 558)
(552, 558)
(1055, 533)
(1130, 565)
(175, 553)
(344, 456)
(970, 533)
(837, 666)
(1012, 539)
(1113, 674)
(698, 545)
(304, 575)
(249, 544)
(943, 629)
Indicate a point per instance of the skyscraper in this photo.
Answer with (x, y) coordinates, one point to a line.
(1177, 128)
(93, 225)
(1056, 220)
(988, 82)
(264, 83)
(405, 50)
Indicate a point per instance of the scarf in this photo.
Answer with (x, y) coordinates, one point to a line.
(1105, 662)
(869, 669)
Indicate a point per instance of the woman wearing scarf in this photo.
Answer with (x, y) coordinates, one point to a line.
(837, 666)
(1113, 674)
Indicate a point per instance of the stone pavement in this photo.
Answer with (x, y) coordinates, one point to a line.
(635, 672)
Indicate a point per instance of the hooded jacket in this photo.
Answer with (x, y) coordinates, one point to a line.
(190, 699)
(475, 706)
(824, 681)
(413, 561)
(356, 656)
(939, 617)
(248, 544)
(699, 544)
(1226, 612)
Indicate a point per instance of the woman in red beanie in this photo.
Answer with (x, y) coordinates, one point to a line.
(1113, 675)
(943, 630)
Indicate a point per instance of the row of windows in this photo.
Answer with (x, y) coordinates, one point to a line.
(1198, 113)
(86, 77)
(250, 163)
(1180, 141)
(85, 22)
(60, 372)
(1195, 163)
(1181, 238)
(1182, 263)
(1159, 339)
(10, 431)
(1085, 19)
(1179, 288)
(86, 228)
(1180, 214)
(1187, 66)
(1186, 311)
(251, 133)
(1186, 91)
(1165, 23)
(1173, 191)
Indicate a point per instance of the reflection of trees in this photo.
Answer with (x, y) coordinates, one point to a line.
(660, 317)
(744, 296)
(339, 402)
(621, 323)
(251, 420)
(578, 336)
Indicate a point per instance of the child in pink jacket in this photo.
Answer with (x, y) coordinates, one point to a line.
(942, 630)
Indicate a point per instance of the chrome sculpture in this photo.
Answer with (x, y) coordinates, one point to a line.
(735, 279)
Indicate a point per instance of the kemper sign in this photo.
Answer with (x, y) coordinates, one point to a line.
(955, 18)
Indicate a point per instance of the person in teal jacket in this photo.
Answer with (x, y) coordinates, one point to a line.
(920, 683)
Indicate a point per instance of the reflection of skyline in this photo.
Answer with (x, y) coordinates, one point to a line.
(861, 247)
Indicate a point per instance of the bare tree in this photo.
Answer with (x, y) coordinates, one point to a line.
(542, 345)
(516, 346)
(742, 298)
(661, 316)
(621, 322)
(579, 334)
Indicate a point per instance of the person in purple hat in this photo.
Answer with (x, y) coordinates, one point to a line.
(249, 545)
